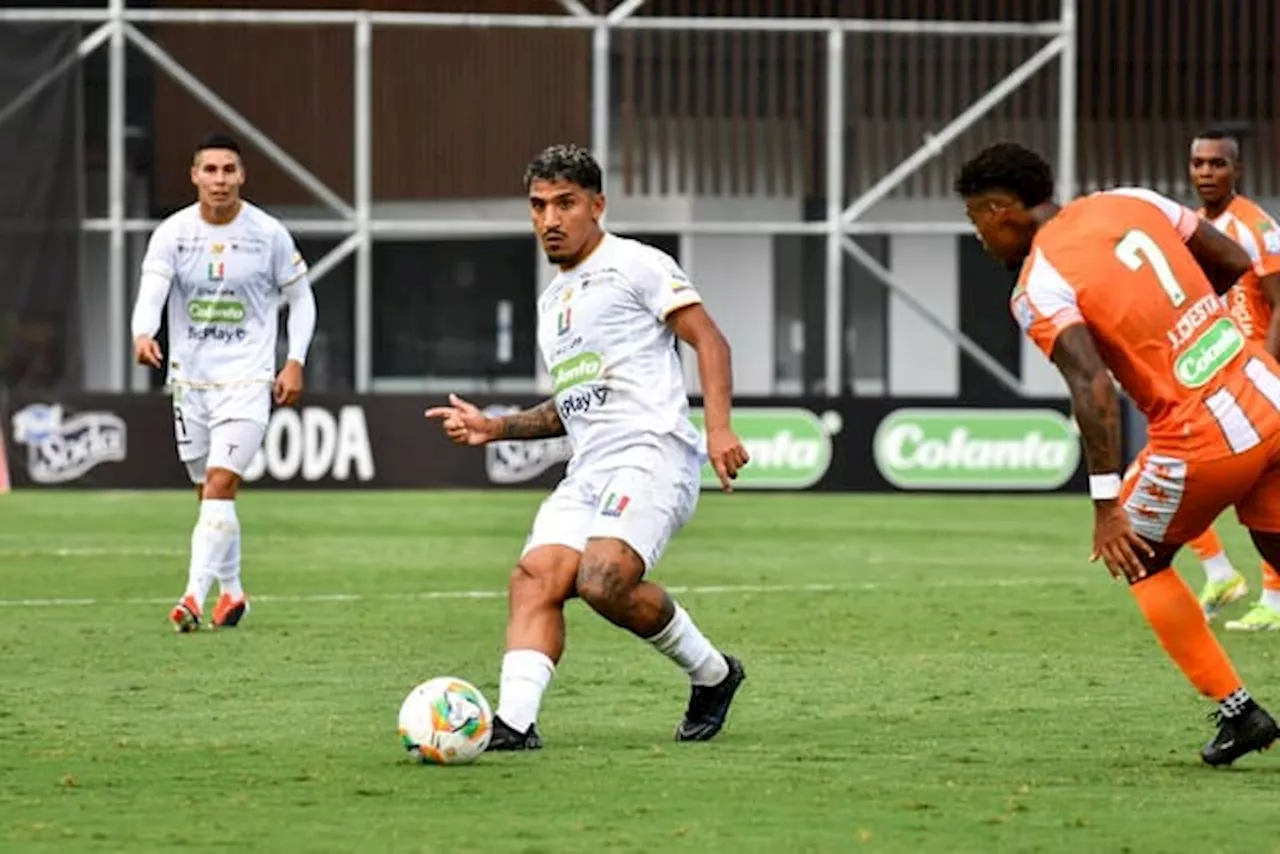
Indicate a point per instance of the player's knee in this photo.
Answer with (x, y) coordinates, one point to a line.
(221, 484)
(606, 576)
(537, 584)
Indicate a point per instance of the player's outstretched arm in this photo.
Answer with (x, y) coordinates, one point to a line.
(1221, 258)
(693, 325)
(1097, 411)
(465, 424)
(540, 422)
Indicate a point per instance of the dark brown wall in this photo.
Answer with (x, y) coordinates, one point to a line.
(458, 112)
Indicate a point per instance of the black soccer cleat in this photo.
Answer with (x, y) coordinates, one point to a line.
(506, 738)
(709, 705)
(1252, 729)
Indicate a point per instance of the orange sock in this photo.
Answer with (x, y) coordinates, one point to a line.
(1208, 544)
(1270, 577)
(1173, 611)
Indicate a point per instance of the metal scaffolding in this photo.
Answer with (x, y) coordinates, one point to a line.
(117, 27)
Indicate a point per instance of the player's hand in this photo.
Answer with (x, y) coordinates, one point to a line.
(1115, 542)
(464, 423)
(288, 388)
(727, 455)
(147, 352)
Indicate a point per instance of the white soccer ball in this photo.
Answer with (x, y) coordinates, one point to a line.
(445, 721)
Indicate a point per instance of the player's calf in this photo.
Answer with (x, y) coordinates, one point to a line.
(539, 586)
(609, 580)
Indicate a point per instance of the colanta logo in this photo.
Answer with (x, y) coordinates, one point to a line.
(1217, 346)
(790, 448)
(977, 449)
(216, 311)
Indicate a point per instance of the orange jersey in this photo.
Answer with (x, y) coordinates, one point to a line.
(1259, 236)
(1117, 262)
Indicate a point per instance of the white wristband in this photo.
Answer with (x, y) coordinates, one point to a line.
(1103, 487)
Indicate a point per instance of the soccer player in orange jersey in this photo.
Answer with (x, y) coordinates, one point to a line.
(1126, 283)
(1215, 170)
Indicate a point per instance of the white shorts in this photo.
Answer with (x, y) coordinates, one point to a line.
(220, 427)
(643, 508)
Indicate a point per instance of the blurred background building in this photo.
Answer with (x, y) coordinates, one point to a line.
(794, 155)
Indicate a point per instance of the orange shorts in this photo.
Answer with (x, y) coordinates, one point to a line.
(1173, 500)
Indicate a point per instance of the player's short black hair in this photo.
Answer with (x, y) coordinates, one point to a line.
(1010, 167)
(218, 140)
(565, 162)
(1226, 134)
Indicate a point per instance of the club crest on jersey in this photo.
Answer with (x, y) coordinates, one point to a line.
(217, 248)
(614, 505)
(217, 271)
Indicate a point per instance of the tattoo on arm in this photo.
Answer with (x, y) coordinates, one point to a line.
(540, 422)
(1093, 397)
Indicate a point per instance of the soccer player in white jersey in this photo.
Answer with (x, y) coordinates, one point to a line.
(223, 265)
(607, 326)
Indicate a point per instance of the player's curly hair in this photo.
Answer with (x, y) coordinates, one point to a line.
(1010, 167)
(565, 162)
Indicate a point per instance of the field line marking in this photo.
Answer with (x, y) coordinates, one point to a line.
(679, 590)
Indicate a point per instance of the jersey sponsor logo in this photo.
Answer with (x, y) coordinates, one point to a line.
(790, 448)
(582, 401)
(314, 444)
(62, 449)
(975, 449)
(1210, 353)
(582, 368)
(216, 334)
(216, 311)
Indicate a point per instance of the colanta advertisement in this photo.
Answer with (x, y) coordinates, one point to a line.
(383, 442)
(976, 449)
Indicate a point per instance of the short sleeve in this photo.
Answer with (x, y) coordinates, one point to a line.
(1269, 239)
(1045, 303)
(161, 255)
(290, 266)
(663, 287)
(1181, 217)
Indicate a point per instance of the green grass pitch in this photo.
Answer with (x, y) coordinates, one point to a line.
(924, 674)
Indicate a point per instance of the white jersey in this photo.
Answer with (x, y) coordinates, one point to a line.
(224, 299)
(615, 372)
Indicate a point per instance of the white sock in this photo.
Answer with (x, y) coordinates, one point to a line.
(200, 571)
(229, 573)
(681, 642)
(526, 673)
(1218, 568)
(213, 541)
(1271, 598)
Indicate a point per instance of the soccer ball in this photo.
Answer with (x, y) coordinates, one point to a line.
(445, 721)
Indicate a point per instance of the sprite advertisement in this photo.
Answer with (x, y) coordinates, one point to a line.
(977, 449)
